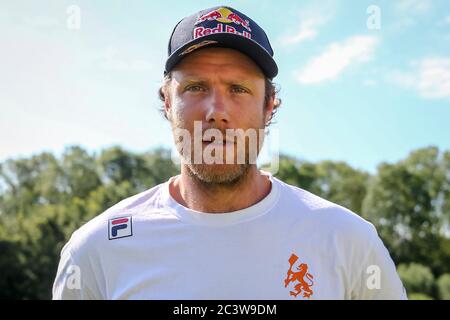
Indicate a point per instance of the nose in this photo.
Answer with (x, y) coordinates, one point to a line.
(217, 109)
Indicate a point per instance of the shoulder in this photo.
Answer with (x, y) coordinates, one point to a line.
(97, 231)
(353, 240)
(324, 215)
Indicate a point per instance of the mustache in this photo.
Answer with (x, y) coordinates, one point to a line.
(231, 135)
(209, 132)
(214, 134)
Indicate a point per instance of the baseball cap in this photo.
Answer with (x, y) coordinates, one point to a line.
(221, 26)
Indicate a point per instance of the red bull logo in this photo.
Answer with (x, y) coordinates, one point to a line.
(300, 276)
(213, 15)
(233, 17)
(203, 31)
(225, 15)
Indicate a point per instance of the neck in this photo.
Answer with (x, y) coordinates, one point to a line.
(192, 193)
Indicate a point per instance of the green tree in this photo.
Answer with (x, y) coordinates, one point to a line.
(339, 183)
(118, 165)
(334, 181)
(406, 202)
(416, 278)
(81, 175)
(43, 200)
(443, 284)
(419, 296)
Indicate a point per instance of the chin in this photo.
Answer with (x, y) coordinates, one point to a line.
(218, 173)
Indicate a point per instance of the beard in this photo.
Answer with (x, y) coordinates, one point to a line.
(218, 174)
(223, 173)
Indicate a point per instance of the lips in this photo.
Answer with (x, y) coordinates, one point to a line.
(218, 142)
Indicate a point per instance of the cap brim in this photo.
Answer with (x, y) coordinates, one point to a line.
(228, 40)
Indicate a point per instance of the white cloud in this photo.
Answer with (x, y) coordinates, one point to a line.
(434, 81)
(431, 78)
(409, 12)
(307, 31)
(336, 58)
(310, 20)
(413, 6)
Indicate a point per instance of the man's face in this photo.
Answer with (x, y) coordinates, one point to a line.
(222, 89)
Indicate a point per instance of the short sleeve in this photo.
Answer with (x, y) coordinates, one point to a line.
(377, 278)
(75, 279)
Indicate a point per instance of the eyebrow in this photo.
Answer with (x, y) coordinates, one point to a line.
(194, 80)
(203, 81)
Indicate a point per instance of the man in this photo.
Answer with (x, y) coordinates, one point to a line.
(223, 229)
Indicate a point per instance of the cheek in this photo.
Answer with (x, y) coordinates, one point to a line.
(254, 111)
(185, 112)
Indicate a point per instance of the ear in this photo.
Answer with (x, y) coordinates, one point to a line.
(269, 108)
(167, 105)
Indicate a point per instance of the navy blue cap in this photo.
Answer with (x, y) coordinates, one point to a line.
(221, 26)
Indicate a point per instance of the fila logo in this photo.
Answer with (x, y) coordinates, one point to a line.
(120, 228)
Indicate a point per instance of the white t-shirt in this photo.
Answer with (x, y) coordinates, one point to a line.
(290, 245)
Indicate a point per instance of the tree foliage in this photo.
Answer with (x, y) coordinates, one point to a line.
(43, 199)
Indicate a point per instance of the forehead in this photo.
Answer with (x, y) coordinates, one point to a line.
(224, 61)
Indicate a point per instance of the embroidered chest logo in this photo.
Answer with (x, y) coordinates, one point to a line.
(300, 276)
(120, 228)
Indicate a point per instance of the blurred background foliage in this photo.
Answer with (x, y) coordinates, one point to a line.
(43, 199)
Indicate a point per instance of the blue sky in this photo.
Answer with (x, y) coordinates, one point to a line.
(350, 93)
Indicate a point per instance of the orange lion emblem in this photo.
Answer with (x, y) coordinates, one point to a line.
(299, 276)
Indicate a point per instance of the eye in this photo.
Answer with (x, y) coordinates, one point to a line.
(238, 89)
(194, 88)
